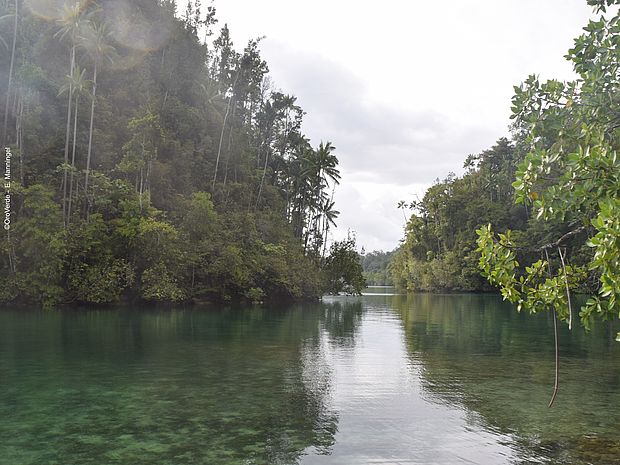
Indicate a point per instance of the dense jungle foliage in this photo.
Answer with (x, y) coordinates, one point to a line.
(439, 249)
(376, 266)
(571, 178)
(149, 159)
(553, 193)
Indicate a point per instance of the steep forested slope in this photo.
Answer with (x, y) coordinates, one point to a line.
(150, 159)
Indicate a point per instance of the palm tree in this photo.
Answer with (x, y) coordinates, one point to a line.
(278, 130)
(329, 219)
(325, 164)
(96, 43)
(230, 94)
(73, 18)
(320, 169)
(76, 84)
(11, 66)
(267, 117)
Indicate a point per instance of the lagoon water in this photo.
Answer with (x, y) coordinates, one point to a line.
(378, 379)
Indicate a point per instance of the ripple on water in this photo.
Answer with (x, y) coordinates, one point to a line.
(359, 380)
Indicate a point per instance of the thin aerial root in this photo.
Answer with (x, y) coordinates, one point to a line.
(557, 361)
(570, 308)
(556, 385)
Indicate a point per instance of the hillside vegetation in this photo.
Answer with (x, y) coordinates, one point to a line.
(151, 159)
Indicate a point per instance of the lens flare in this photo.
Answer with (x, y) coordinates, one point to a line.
(130, 28)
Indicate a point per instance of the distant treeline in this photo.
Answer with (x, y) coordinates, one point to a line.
(438, 252)
(376, 267)
(152, 160)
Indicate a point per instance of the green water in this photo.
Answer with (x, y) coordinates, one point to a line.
(381, 379)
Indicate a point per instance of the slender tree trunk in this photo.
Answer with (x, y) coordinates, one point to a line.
(12, 265)
(10, 83)
(75, 119)
(163, 105)
(325, 240)
(141, 188)
(230, 132)
(67, 137)
(327, 223)
(147, 179)
(219, 148)
(262, 179)
(90, 139)
(15, 103)
(287, 210)
(142, 173)
(306, 238)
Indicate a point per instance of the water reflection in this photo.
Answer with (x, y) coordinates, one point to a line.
(378, 393)
(478, 353)
(221, 386)
(375, 379)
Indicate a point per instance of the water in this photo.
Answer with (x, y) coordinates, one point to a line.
(380, 379)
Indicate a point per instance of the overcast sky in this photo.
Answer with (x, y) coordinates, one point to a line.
(405, 90)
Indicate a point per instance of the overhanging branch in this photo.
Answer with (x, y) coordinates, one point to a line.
(565, 237)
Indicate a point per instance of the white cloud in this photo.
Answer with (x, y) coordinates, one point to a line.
(404, 90)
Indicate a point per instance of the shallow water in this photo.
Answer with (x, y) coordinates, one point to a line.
(380, 379)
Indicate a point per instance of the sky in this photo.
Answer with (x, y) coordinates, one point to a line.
(404, 90)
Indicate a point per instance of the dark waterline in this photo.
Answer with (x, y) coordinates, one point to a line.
(386, 378)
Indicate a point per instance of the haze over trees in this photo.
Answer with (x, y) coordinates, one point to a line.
(154, 160)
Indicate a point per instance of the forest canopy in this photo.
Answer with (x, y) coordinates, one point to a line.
(152, 159)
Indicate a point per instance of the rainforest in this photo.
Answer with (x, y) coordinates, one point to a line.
(149, 165)
(200, 265)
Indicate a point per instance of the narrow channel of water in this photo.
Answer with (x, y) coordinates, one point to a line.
(378, 379)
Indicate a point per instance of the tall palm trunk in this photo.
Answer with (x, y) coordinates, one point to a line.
(90, 139)
(67, 137)
(10, 83)
(75, 119)
(230, 137)
(262, 179)
(142, 173)
(219, 148)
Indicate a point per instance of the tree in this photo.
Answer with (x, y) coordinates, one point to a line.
(11, 66)
(73, 18)
(76, 84)
(343, 268)
(96, 44)
(151, 231)
(142, 150)
(571, 179)
(438, 253)
(40, 248)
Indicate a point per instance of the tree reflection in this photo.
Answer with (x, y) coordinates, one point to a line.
(341, 320)
(477, 352)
